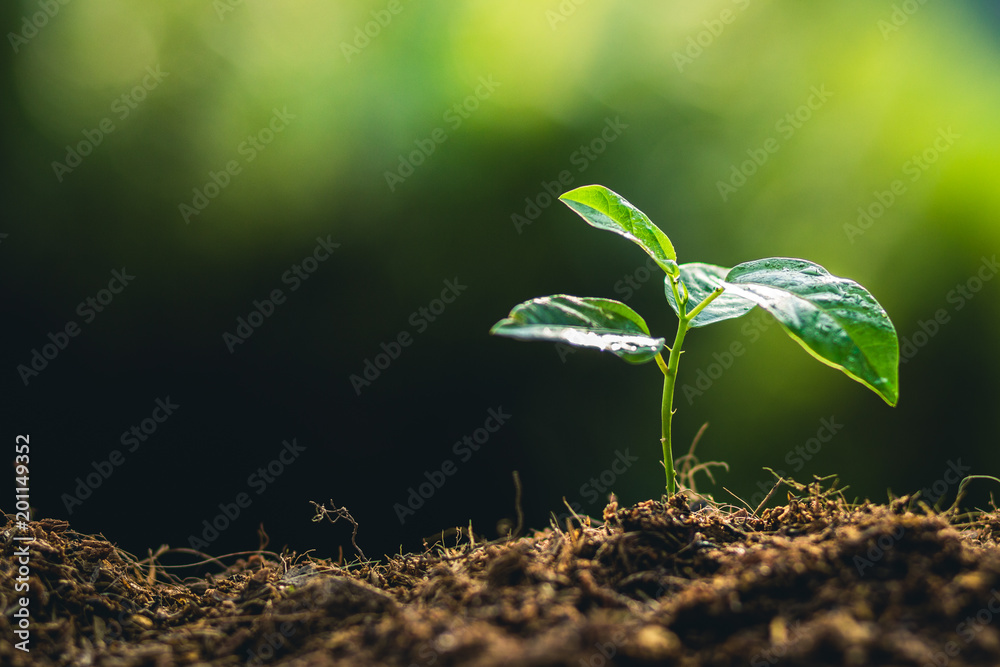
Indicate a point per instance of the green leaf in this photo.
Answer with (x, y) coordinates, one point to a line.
(608, 210)
(835, 319)
(601, 324)
(701, 280)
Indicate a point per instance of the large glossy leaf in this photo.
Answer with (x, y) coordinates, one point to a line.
(605, 209)
(835, 319)
(701, 280)
(601, 324)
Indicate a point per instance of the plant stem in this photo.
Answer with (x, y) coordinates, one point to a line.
(667, 408)
(670, 377)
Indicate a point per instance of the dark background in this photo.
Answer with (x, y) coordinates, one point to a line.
(558, 74)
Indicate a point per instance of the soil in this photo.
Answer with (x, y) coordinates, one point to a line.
(816, 581)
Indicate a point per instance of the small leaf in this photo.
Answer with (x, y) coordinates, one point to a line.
(701, 280)
(601, 324)
(835, 319)
(605, 209)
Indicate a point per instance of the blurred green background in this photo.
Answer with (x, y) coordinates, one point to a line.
(206, 146)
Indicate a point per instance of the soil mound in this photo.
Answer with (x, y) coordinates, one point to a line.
(813, 582)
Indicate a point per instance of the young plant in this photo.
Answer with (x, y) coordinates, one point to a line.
(836, 320)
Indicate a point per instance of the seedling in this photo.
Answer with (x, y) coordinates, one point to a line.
(836, 320)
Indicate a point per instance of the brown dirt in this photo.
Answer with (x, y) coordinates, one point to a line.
(813, 582)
